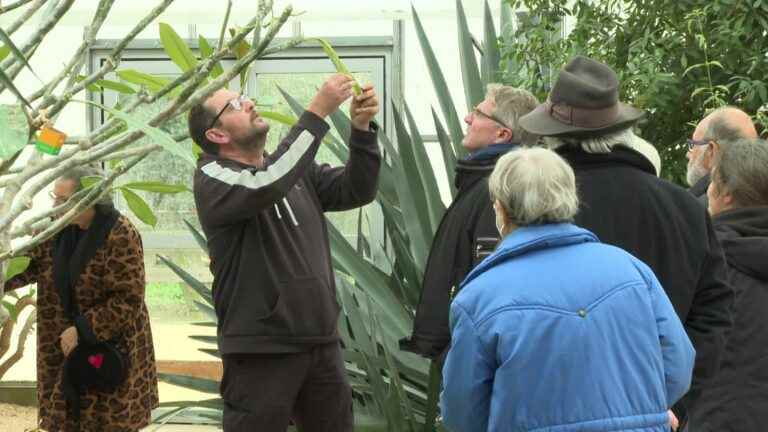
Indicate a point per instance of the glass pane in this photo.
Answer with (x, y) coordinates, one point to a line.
(303, 87)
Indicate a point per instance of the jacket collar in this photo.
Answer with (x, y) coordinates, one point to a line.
(532, 238)
(620, 155)
(472, 169)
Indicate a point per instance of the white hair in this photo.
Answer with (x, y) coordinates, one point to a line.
(534, 186)
(605, 144)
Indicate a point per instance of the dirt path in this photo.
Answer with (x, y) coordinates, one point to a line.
(15, 418)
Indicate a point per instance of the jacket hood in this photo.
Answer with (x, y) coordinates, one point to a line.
(470, 170)
(532, 238)
(744, 235)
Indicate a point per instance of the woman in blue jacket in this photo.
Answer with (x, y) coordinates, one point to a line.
(556, 331)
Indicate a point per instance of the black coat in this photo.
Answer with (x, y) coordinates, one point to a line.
(466, 234)
(626, 205)
(737, 399)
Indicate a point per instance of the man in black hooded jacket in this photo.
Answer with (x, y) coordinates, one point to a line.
(467, 231)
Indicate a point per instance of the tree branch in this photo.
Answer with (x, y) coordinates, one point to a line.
(25, 16)
(12, 6)
(23, 335)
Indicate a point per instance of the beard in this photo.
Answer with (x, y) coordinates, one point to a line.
(696, 170)
(254, 139)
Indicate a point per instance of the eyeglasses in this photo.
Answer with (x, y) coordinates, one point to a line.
(57, 200)
(693, 143)
(476, 111)
(236, 104)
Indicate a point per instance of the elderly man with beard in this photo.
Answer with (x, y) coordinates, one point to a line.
(273, 285)
(721, 125)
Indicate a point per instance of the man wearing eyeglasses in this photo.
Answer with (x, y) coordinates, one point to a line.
(468, 231)
(273, 287)
(720, 126)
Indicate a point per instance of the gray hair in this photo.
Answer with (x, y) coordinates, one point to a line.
(741, 170)
(534, 186)
(593, 144)
(511, 103)
(78, 173)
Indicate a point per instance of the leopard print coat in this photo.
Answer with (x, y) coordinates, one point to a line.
(110, 294)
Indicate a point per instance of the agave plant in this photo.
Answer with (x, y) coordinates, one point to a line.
(379, 277)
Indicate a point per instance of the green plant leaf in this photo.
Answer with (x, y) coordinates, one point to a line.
(491, 56)
(473, 85)
(12, 311)
(449, 157)
(197, 286)
(337, 63)
(176, 48)
(157, 187)
(279, 117)
(139, 207)
(100, 85)
(16, 266)
(151, 82)
(199, 237)
(156, 134)
(441, 88)
(90, 181)
(207, 51)
(15, 50)
(14, 130)
(4, 52)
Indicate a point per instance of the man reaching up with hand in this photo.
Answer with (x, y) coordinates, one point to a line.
(273, 286)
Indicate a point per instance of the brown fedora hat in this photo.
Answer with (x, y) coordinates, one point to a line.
(584, 99)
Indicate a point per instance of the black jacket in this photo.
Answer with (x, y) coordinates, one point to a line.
(273, 285)
(626, 205)
(737, 399)
(466, 234)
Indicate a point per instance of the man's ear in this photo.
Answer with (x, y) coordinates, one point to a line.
(217, 136)
(504, 135)
(712, 148)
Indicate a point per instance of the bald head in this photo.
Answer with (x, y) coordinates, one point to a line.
(726, 124)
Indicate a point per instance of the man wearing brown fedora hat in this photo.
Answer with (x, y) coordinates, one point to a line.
(626, 205)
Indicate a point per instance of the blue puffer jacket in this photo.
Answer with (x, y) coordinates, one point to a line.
(557, 332)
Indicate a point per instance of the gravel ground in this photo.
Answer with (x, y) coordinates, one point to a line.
(16, 418)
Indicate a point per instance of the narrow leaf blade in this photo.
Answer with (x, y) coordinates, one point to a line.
(139, 207)
(176, 48)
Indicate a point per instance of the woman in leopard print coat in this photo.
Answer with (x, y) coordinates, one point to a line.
(110, 296)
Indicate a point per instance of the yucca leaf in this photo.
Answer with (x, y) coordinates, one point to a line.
(473, 86)
(16, 266)
(197, 286)
(176, 48)
(207, 51)
(194, 383)
(426, 174)
(206, 339)
(8, 83)
(199, 237)
(279, 117)
(441, 87)
(449, 157)
(157, 187)
(369, 276)
(156, 134)
(491, 56)
(415, 209)
(139, 207)
(15, 50)
(210, 351)
(337, 63)
(433, 396)
(207, 310)
(151, 82)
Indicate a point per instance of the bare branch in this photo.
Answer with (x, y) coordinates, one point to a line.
(25, 16)
(224, 25)
(98, 19)
(11, 64)
(12, 6)
(23, 335)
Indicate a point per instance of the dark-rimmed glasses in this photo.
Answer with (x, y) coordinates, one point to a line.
(476, 111)
(236, 104)
(57, 200)
(693, 143)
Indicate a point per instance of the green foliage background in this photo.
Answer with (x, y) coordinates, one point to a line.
(675, 59)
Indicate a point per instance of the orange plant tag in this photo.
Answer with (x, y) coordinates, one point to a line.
(50, 140)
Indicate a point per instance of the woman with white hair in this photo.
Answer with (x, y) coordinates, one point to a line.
(555, 330)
